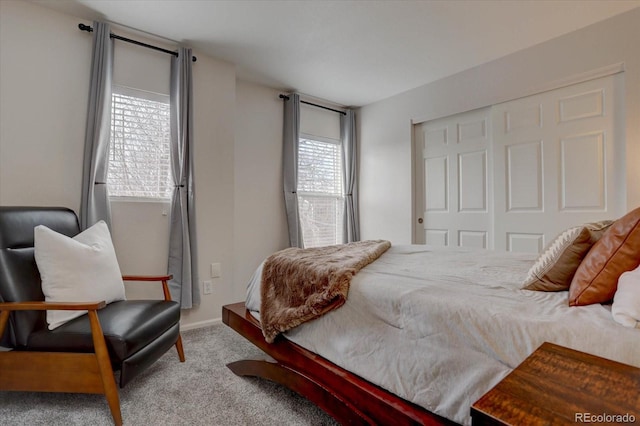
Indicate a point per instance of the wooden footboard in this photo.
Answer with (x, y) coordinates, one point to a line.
(345, 396)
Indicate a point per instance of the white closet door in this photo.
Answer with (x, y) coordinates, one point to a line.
(558, 159)
(453, 181)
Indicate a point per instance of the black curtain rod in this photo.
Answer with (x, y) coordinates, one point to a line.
(87, 28)
(286, 98)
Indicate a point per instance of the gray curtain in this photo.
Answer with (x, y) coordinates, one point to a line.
(94, 205)
(182, 235)
(291, 134)
(351, 227)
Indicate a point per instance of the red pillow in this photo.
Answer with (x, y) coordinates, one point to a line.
(618, 251)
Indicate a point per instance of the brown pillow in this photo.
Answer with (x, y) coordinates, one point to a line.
(556, 265)
(618, 251)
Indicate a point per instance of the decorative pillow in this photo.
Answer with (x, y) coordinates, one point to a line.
(626, 302)
(616, 252)
(79, 269)
(556, 265)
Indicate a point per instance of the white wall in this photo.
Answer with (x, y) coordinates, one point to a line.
(214, 99)
(44, 79)
(260, 225)
(385, 127)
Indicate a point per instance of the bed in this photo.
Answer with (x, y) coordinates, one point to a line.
(423, 334)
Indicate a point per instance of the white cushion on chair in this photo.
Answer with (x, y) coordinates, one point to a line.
(79, 269)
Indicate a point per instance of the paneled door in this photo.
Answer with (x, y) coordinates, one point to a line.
(514, 175)
(559, 162)
(453, 170)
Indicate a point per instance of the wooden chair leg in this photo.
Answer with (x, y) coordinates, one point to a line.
(106, 371)
(179, 348)
(4, 319)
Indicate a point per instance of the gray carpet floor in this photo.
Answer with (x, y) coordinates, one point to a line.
(201, 391)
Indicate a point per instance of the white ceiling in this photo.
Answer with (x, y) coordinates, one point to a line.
(350, 52)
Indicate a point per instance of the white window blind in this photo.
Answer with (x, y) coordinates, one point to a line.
(139, 153)
(320, 197)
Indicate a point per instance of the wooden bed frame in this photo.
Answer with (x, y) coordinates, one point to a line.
(345, 396)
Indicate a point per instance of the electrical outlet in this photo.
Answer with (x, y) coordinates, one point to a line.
(207, 287)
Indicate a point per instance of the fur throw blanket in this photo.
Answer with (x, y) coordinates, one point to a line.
(302, 284)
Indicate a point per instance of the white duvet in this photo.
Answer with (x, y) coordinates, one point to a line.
(440, 327)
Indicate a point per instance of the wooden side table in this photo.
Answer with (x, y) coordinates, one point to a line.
(557, 385)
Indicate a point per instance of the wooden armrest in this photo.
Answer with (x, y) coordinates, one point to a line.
(147, 277)
(96, 330)
(163, 278)
(57, 306)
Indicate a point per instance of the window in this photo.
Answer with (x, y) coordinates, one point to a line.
(139, 149)
(320, 197)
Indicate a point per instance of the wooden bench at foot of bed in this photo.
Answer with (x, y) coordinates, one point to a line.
(346, 397)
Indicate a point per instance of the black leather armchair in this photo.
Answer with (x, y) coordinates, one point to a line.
(81, 355)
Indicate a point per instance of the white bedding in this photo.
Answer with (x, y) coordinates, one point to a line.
(440, 327)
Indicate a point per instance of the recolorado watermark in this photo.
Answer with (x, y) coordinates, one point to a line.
(604, 418)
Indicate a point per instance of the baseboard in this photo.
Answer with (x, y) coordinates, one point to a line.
(200, 324)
